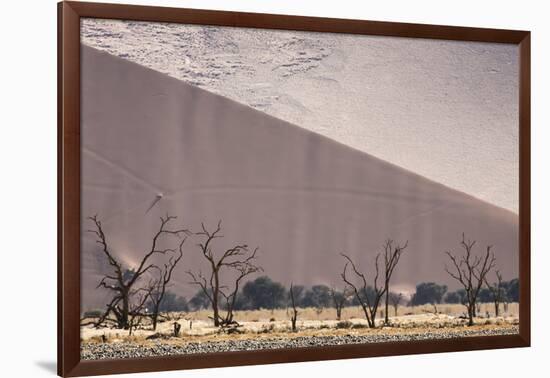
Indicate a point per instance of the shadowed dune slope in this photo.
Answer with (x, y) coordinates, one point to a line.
(302, 198)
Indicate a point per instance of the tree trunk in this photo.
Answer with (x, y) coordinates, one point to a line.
(497, 305)
(386, 313)
(124, 322)
(365, 310)
(215, 294)
(216, 315)
(338, 313)
(294, 316)
(177, 328)
(372, 320)
(229, 317)
(154, 318)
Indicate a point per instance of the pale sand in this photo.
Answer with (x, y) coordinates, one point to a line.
(445, 109)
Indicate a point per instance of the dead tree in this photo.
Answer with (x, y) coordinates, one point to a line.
(497, 292)
(243, 270)
(339, 299)
(238, 260)
(470, 271)
(177, 329)
(368, 304)
(395, 300)
(122, 282)
(158, 287)
(392, 254)
(137, 308)
(294, 314)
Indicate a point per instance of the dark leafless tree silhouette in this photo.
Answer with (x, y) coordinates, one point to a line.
(294, 314)
(339, 299)
(392, 254)
(128, 299)
(177, 329)
(470, 271)
(136, 314)
(238, 259)
(158, 286)
(368, 304)
(395, 300)
(497, 291)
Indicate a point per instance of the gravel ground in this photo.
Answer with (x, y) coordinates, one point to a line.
(92, 351)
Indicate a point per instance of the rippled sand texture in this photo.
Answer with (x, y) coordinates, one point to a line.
(446, 110)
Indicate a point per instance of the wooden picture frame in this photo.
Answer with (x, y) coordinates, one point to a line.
(69, 227)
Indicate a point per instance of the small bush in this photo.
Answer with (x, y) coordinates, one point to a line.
(234, 330)
(267, 329)
(158, 335)
(93, 314)
(99, 339)
(344, 324)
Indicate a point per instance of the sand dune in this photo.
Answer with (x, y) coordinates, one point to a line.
(360, 90)
(301, 197)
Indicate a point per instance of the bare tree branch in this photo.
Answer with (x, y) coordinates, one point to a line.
(497, 291)
(129, 300)
(392, 255)
(470, 271)
(161, 282)
(361, 292)
(237, 259)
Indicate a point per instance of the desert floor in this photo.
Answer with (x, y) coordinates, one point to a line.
(266, 329)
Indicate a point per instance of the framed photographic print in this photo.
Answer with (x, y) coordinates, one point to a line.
(239, 188)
